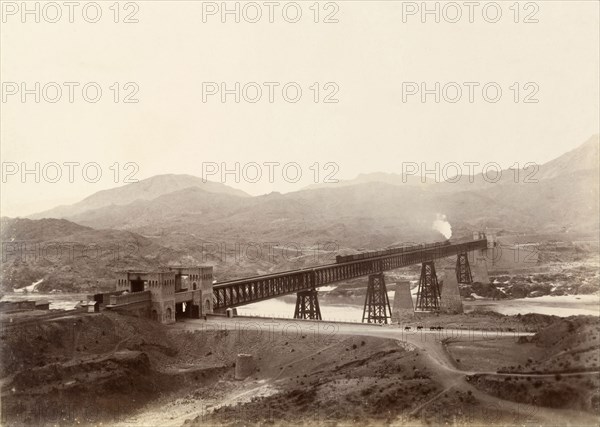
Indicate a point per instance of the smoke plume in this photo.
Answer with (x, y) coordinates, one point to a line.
(440, 224)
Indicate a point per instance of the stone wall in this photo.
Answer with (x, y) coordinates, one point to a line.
(403, 303)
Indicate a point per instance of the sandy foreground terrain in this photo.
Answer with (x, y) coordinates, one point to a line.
(451, 380)
(125, 371)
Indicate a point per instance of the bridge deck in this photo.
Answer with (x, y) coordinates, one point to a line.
(238, 292)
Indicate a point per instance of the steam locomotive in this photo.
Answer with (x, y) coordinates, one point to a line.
(392, 251)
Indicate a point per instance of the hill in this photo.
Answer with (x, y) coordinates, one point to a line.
(147, 189)
(368, 215)
(71, 257)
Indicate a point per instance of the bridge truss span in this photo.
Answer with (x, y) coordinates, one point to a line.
(239, 292)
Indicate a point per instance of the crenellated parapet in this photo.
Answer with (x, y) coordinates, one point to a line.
(170, 291)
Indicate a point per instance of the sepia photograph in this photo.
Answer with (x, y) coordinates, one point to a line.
(299, 213)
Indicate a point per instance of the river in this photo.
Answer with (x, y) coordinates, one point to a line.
(563, 306)
(351, 311)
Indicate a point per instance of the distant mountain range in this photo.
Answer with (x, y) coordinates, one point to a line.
(563, 196)
(583, 158)
(173, 218)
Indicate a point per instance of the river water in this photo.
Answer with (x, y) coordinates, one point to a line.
(351, 311)
(58, 301)
(563, 306)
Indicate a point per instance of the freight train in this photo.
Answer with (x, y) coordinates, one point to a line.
(392, 251)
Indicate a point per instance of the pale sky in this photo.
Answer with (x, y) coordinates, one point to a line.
(367, 56)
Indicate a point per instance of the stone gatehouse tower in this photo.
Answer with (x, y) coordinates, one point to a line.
(166, 294)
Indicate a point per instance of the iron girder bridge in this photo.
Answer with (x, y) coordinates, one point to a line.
(238, 292)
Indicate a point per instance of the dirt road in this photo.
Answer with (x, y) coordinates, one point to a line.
(444, 371)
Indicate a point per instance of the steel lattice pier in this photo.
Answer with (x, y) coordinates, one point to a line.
(239, 292)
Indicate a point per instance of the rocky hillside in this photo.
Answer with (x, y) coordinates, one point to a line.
(71, 257)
